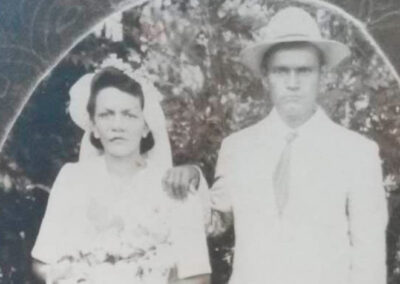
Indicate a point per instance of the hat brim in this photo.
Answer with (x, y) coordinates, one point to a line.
(334, 52)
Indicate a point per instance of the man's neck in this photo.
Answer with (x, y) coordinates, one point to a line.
(295, 121)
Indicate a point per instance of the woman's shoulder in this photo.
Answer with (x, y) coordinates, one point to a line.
(81, 169)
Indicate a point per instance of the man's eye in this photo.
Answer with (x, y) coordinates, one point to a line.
(279, 71)
(305, 70)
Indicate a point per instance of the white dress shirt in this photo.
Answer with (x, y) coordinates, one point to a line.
(333, 227)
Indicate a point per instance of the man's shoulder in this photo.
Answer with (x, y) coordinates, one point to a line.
(246, 135)
(351, 139)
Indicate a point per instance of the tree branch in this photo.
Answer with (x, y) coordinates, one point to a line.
(383, 17)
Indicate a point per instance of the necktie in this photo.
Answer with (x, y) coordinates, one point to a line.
(281, 177)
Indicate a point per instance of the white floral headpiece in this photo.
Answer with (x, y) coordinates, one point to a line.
(80, 91)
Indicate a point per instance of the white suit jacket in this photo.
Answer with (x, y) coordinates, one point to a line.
(333, 227)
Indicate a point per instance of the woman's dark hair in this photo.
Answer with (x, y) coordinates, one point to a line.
(111, 77)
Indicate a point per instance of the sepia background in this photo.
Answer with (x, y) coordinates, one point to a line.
(190, 49)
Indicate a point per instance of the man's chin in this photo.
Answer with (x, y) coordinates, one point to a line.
(291, 109)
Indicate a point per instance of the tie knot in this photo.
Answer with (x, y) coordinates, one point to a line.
(291, 136)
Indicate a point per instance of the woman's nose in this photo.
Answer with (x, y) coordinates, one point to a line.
(117, 123)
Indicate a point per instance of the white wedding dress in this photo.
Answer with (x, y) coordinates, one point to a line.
(90, 213)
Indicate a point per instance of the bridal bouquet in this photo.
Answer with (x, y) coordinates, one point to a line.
(114, 258)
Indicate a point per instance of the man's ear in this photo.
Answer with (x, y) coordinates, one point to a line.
(324, 70)
(264, 83)
(323, 77)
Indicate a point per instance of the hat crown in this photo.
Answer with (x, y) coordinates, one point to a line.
(292, 22)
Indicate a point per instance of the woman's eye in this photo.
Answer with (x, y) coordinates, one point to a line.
(104, 114)
(131, 115)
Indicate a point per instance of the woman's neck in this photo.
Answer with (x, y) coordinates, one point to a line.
(124, 167)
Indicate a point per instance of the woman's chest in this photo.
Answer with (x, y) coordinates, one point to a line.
(137, 208)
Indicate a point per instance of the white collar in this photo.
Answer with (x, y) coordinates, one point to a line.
(281, 129)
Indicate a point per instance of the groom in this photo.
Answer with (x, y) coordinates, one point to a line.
(306, 194)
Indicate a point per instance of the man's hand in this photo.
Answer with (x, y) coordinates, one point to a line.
(178, 181)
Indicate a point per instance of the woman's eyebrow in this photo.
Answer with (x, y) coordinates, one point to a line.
(134, 109)
(106, 110)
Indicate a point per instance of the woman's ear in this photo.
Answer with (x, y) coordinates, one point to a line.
(94, 130)
(146, 130)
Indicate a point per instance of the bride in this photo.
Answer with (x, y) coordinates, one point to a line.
(108, 219)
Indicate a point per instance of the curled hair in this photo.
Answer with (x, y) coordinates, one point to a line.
(111, 77)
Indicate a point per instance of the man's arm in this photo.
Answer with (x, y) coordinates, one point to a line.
(217, 206)
(195, 279)
(368, 220)
(199, 279)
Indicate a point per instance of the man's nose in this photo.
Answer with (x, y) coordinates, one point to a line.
(292, 80)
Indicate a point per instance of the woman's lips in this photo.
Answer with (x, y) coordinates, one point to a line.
(117, 139)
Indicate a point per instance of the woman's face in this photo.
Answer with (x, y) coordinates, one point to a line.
(118, 122)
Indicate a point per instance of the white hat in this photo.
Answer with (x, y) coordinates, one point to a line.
(293, 25)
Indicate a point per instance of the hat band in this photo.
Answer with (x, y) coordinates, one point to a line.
(292, 35)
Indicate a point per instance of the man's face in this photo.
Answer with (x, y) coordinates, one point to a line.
(293, 79)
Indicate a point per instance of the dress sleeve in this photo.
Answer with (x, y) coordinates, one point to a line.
(189, 238)
(55, 239)
(368, 220)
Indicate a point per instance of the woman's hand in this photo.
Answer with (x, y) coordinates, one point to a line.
(178, 181)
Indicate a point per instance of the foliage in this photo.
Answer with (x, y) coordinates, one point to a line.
(191, 50)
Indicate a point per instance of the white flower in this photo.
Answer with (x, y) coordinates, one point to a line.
(191, 76)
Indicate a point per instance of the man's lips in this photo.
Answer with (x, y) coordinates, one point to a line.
(289, 99)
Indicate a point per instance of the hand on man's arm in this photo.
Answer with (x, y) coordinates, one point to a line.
(180, 180)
